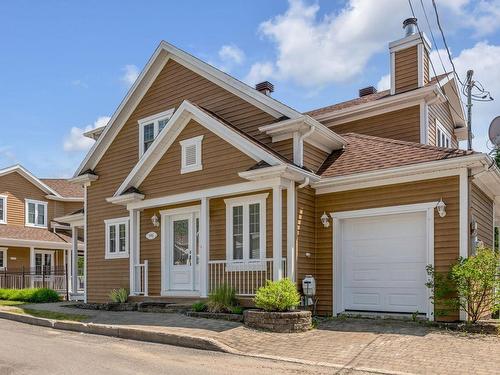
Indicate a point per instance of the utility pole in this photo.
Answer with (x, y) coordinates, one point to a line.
(470, 84)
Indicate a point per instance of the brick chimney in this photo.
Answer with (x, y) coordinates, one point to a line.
(367, 91)
(265, 87)
(409, 59)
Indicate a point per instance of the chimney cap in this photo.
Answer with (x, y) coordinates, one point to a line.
(410, 26)
(409, 21)
(265, 87)
(367, 91)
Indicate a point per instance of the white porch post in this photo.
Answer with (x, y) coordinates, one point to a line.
(74, 260)
(204, 243)
(134, 255)
(277, 228)
(290, 230)
(32, 264)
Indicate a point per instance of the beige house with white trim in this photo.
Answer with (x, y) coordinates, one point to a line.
(200, 180)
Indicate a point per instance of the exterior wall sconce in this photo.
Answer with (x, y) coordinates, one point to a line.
(441, 208)
(155, 220)
(324, 220)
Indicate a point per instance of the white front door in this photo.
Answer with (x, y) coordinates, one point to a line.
(182, 252)
(44, 262)
(383, 263)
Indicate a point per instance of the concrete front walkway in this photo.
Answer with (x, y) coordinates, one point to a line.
(385, 346)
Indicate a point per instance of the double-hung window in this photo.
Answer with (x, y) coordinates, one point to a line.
(3, 209)
(36, 213)
(150, 127)
(117, 239)
(3, 258)
(443, 138)
(246, 232)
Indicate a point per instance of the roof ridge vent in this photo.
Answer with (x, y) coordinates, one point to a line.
(265, 87)
(367, 91)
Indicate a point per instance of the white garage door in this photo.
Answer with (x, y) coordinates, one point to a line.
(383, 263)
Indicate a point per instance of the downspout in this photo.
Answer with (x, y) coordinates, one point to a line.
(301, 143)
(304, 184)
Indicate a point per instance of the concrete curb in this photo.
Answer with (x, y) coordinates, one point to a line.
(188, 341)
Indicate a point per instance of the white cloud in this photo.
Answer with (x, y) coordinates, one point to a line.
(314, 51)
(76, 141)
(384, 83)
(7, 156)
(260, 72)
(130, 74)
(231, 54)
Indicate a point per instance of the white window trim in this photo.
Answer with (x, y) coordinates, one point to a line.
(110, 222)
(186, 143)
(4, 220)
(3, 250)
(245, 264)
(36, 203)
(155, 119)
(442, 129)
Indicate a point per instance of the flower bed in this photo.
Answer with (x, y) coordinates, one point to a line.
(281, 322)
(220, 316)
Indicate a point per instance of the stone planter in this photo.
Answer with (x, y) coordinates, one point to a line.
(282, 322)
(116, 306)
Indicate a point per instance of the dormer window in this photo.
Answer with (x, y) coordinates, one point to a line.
(191, 154)
(443, 137)
(3, 209)
(150, 127)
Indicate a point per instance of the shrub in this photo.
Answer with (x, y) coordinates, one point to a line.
(472, 285)
(279, 295)
(222, 299)
(34, 295)
(199, 306)
(237, 310)
(119, 295)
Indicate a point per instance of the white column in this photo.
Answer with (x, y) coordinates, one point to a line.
(277, 240)
(32, 263)
(204, 243)
(290, 230)
(74, 260)
(134, 255)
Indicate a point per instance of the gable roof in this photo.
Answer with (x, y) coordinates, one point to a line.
(163, 53)
(181, 117)
(31, 178)
(65, 188)
(365, 153)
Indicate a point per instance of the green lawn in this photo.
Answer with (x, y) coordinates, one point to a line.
(10, 303)
(17, 307)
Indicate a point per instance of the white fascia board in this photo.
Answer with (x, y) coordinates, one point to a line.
(125, 199)
(71, 219)
(166, 138)
(383, 105)
(30, 177)
(33, 243)
(390, 176)
(461, 133)
(155, 64)
(64, 199)
(84, 179)
(94, 133)
(326, 138)
(452, 93)
(280, 171)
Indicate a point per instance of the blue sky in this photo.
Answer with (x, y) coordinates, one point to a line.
(66, 65)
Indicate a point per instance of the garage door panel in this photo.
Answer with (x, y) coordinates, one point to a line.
(383, 263)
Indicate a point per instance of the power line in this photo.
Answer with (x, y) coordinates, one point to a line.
(432, 65)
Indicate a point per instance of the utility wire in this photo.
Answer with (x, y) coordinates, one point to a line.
(432, 65)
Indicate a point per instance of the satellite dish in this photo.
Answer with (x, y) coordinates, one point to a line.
(494, 131)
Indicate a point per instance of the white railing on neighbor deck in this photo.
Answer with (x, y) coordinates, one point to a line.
(19, 281)
(141, 279)
(81, 283)
(244, 277)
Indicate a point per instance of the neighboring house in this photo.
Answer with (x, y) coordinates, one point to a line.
(34, 241)
(199, 180)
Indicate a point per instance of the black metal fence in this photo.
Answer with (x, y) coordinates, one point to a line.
(55, 278)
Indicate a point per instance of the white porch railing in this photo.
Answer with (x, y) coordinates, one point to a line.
(19, 281)
(244, 277)
(141, 279)
(81, 283)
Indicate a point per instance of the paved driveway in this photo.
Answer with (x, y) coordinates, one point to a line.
(387, 346)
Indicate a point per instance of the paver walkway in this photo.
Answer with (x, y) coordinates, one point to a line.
(388, 346)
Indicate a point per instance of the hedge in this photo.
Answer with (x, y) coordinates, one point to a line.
(35, 295)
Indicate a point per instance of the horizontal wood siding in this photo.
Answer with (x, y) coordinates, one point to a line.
(221, 163)
(313, 157)
(441, 112)
(18, 189)
(306, 226)
(22, 255)
(446, 230)
(406, 69)
(284, 148)
(403, 124)
(174, 84)
(482, 211)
